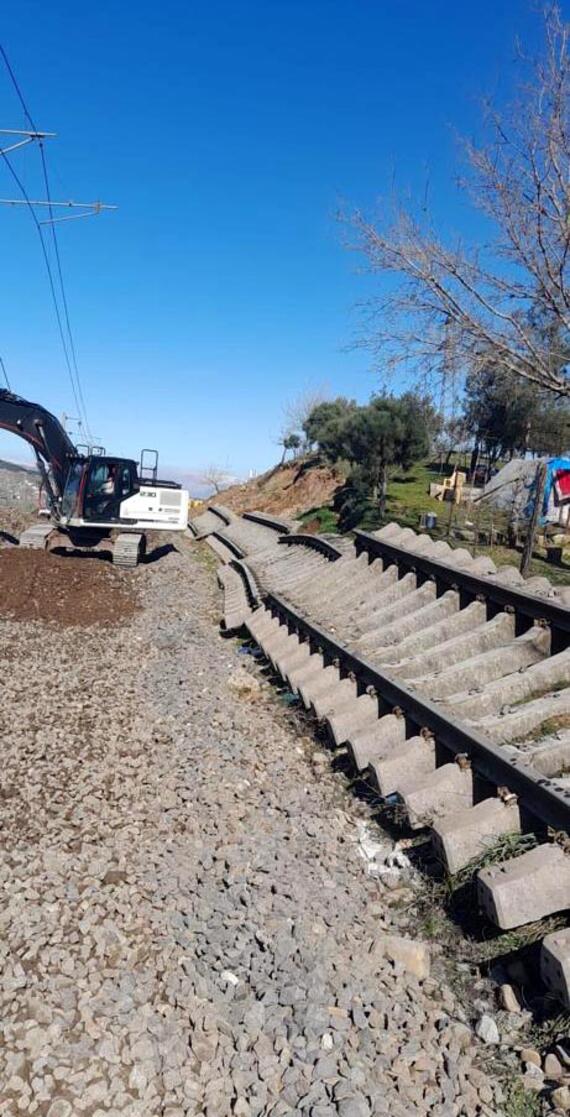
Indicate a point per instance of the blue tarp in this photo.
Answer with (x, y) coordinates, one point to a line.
(513, 488)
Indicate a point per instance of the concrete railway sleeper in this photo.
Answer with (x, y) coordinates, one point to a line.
(406, 653)
(474, 796)
(209, 521)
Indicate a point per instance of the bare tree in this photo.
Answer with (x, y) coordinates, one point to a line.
(296, 411)
(217, 477)
(456, 305)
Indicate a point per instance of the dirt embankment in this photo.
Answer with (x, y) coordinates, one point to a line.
(289, 489)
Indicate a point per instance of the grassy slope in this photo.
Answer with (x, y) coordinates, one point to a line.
(408, 498)
(13, 467)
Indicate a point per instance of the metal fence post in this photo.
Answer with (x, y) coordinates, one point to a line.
(540, 481)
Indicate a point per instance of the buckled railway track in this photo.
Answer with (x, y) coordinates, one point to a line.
(445, 680)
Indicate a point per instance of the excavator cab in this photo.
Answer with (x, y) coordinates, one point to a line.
(109, 482)
(95, 488)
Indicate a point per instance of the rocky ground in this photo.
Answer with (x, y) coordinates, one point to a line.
(13, 520)
(189, 924)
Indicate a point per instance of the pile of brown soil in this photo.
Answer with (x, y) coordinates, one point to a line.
(36, 585)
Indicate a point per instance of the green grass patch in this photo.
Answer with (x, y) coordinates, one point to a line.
(550, 1030)
(504, 848)
(547, 728)
(408, 497)
(520, 1102)
(322, 520)
(501, 556)
(458, 894)
(510, 942)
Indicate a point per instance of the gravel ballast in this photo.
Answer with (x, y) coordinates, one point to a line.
(189, 924)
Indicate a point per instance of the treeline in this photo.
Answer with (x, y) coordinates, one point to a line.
(505, 416)
(499, 417)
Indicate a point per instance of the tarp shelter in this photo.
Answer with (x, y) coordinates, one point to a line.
(513, 488)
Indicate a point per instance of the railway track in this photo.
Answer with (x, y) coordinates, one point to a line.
(444, 680)
(232, 536)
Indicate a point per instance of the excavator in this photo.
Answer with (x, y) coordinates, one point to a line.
(95, 501)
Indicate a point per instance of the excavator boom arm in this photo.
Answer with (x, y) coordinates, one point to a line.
(41, 430)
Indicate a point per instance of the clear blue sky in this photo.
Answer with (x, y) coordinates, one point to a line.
(227, 133)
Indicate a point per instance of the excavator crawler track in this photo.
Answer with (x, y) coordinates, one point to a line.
(129, 548)
(36, 537)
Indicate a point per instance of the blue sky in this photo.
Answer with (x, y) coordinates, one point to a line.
(227, 134)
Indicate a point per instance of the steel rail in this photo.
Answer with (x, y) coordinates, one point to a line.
(527, 607)
(316, 542)
(283, 526)
(229, 543)
(252, 591)
(541, 796)
(223, 513)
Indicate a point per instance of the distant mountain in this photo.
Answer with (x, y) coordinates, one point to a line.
(191, 480)
(13, 467)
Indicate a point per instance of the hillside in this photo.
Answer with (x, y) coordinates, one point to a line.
(289, 490)
(14, 467)
(18, 486)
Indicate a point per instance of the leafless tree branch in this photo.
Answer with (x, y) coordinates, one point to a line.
(509, 299)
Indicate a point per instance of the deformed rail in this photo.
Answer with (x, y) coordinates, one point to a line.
(526, 607)
(313, 542)
(541, 796)
(267, 520)
(441, 677)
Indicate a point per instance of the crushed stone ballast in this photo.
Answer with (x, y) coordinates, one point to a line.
(447, 683)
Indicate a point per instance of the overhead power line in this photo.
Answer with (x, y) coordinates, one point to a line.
(63, 294)
(71, 363)
(21, 187)
(68, 342)
(90, 208)
(19, 93)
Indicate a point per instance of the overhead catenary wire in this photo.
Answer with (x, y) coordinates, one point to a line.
(19, 93)
(63, 293)
(47, 263)
(69, 348)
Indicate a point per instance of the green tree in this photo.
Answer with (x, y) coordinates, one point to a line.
(390, 431)
(290, 442)
(353, 504)
(497, 413)
(386, 432)
(550, 429)
(325, 424)
(507, 416)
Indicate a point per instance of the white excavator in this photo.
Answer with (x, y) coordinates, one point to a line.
(95, 501)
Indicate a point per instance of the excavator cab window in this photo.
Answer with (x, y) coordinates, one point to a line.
(69, 502)
(108, 483)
